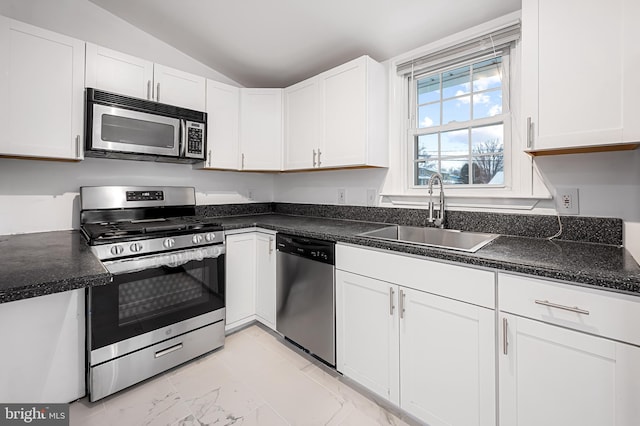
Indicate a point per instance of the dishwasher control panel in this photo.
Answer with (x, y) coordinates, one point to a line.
(310, 248)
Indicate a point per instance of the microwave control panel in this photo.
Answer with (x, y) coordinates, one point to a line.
(195, 139)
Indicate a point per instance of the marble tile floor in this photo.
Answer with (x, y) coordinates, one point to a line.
(256, 379)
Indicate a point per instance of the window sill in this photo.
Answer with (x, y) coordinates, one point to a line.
(465, 201)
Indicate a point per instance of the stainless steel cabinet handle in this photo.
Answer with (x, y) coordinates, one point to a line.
(563, 307)
(149, 89)
(270, 245)
(319, 153)
(529, 132)
(314, 158)
(505, 343)
(78, 147)
(168, 350)
(242, 162)
(209, 159)
(158, 92)
(391, 307)
(401, 303)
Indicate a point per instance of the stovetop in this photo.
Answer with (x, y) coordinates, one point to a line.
(133, 230)
(109, 232)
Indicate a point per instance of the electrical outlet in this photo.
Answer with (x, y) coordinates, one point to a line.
(371, 197)
(342, 196)
(567, 200)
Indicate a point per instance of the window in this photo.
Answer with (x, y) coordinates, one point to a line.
(460, 130)
(459, 115)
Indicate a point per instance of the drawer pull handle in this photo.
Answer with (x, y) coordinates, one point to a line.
(563, 307)
(391, 307)
(505, 342)
(168, 350)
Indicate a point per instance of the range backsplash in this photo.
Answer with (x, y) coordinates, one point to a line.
(575, 228)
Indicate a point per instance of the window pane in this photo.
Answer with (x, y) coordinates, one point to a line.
(427, 146)
(456, 110)
(488, 169)
(429, 89)
(455, 172)
(456, 82)
(487, 139)
(486, 74)
(455, 142)
(487, 104)
(424, 172)
(429, 115)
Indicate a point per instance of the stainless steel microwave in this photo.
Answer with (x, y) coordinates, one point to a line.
(122, 127)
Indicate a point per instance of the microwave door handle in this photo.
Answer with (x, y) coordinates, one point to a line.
(183, 138)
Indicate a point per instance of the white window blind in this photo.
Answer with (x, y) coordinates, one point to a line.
(489, 42)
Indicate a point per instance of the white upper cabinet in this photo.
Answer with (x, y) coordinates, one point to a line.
(260, 129)
(223, 114)
(179, 88)
(579, 69)
(118, 72)
(41, 92)
(338, 118)
(354, 115)
(302, 125)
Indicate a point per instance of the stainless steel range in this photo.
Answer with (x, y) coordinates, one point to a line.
(166, 304)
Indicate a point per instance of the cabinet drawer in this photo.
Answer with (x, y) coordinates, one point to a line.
(598, 312)
(456, 282)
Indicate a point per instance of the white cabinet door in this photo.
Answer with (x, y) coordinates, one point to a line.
(240, 279)
(41, 92)
(354, 115)
(179, 88)
(573, 76)
(223, 113)
(301, 123)
(266, 279)
(367, 338)
(553, 376)
(631, 65)
(43, 357)
(447, 360)
(118, 72)
(260, 129)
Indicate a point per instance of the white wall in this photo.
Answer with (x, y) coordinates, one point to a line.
(86, 21)
(43, 195)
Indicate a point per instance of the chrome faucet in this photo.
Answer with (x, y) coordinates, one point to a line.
(439, 221)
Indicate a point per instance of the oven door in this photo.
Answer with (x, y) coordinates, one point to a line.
(123, 130)
(180, 287)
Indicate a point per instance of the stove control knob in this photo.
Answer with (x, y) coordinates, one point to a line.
(116, 250)
(169, 242)
(135, 247)
(210, 237)
(197, 239)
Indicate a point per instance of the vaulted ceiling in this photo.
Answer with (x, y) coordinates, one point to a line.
(275, 43)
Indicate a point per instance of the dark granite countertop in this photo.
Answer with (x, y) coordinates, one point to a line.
(47, 262)
(604, 266)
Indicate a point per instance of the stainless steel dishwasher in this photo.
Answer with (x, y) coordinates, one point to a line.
(305, 294)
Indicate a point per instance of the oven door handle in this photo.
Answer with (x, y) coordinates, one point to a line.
(172, 260)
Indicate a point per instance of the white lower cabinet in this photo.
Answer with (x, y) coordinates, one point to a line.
(43, 355)
(240, 299)
(266, 278)
(553, 376)
(250, 278)
(559, 363)
(429, 354)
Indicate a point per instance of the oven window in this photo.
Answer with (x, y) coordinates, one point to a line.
(137, 132)
(161, 294)
(138, 302)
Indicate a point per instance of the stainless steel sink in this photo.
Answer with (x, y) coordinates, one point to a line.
(434, 237)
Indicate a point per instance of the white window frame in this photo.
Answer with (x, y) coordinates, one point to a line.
(413, 131)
